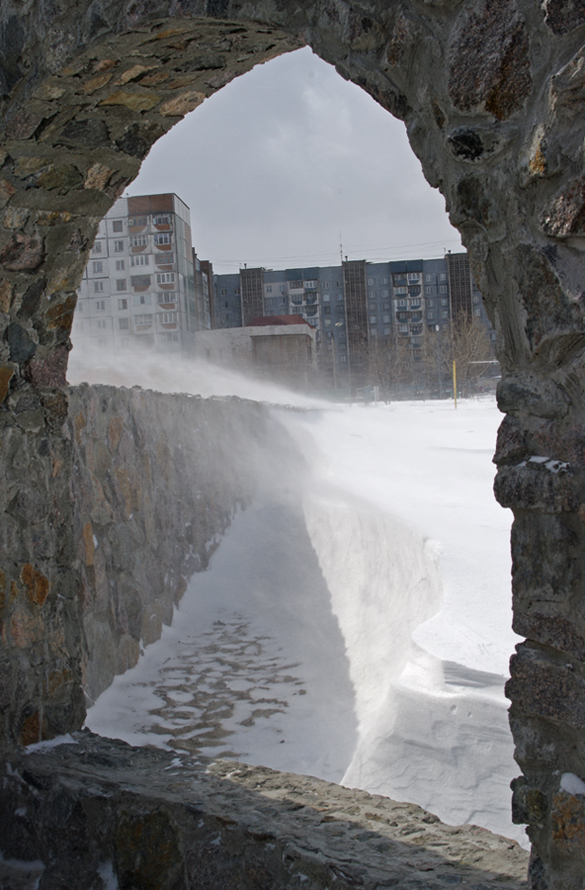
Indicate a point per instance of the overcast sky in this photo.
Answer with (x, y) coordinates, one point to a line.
(280, 162)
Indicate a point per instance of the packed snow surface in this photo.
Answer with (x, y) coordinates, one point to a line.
(354, 623)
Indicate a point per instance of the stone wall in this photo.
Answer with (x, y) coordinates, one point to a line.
(156, 481)
(492, 93)
(109, 815)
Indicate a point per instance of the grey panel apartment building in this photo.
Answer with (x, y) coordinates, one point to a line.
(357, 303)
(139, 287)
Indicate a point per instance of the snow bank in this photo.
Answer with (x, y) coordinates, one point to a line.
(355, 622)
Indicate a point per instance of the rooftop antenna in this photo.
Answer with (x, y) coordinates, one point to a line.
(340, 249)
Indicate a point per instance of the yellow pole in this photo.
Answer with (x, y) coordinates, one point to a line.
(455, 383)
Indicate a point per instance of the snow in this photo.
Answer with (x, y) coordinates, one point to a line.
(355, 621)
(47, 745)
(572, 784)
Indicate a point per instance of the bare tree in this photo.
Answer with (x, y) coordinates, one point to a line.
(467, 342)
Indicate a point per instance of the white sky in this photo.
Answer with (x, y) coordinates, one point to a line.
(280, 162)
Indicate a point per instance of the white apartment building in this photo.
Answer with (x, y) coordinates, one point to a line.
(138, 289)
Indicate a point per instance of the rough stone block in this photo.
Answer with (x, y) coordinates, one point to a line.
(547, 686)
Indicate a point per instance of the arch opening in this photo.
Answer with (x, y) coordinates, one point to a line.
(503, 142)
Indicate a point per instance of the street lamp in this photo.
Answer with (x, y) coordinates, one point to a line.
(337, 324)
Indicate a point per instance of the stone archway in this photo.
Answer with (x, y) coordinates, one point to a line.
(492, 92)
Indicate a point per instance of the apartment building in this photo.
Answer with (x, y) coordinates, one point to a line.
(139, 287)
(357, 304)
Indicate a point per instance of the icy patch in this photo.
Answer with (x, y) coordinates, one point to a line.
(50, 743)
(108, 876)
(16, 874)
(552, 465)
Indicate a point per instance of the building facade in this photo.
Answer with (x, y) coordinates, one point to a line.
(143, 288)
(358, 305)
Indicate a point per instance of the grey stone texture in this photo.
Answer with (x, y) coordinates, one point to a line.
(158, 821)
(156, 481)
(492, 93)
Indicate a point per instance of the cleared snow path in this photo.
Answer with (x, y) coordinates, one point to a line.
(354, 623)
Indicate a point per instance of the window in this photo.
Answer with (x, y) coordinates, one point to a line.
(141, 300)
(431, 290)
(443, 276)
(223, 292)
(383, 281)
(120, 265)
(325, 285)
(428, 278)
(98, 287)
(327, 321)
(98, 266)
(118, 246)
(97, 247)
(142, 259)
(163, 238)
(476, 298)
(165, 278)
(371, 282)
(124, 324)
(386, 306)
(386, 319)
(137, 221)
(385, 293)
(401, 304)
(121, 284)
(340, 310)
(326, 310)
(430, 315)
(281, 288)
(325, 298)
(342, 335)
(343, 347)
(386, 331)
(164, 259)
(403, 329)
(225, 304)
(311, 285)
(340, 296)
(117, 225)
(237, 291)
(372, 307)
(414, 276)
(100, 305)
(140, 281)
(143, 319)
(342, 359)
(444, 314)
(295, 285)
(138, 240)
(443, 289)
(401, 290)
(373, 319)
(122, 304)
(268, 288)
(167, 317)
(167, 296)
(444, 302)
(163, 219)
(476, 311)
(430, 303)
(101, 324)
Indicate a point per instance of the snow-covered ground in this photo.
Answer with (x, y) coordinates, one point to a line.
(354, 624)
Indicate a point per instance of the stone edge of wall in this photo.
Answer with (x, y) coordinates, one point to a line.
(157, 479)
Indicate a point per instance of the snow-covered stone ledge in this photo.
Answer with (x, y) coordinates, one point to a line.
(95, 812)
